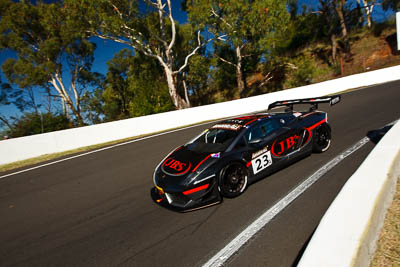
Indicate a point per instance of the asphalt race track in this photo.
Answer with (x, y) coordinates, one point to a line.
(96, 210)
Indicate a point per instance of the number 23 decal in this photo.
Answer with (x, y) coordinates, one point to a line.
(262, 162)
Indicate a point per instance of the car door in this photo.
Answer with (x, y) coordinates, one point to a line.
(288, 144)
(260, 138)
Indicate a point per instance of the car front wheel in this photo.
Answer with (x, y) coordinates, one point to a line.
(233, 180)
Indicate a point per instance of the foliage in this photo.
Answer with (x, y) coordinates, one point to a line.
(224, 75)
(248, 28)
(302, 32)
(92, 106)
(150, 90)
(258, 22)
(35, 123)
(46, 44)
(300, 72)
(198, 78)
(117, 95)
(133, 86)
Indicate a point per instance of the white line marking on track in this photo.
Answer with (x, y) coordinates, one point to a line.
(100, 149)
(224, 254)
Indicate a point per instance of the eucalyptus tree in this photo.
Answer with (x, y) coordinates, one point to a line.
(328, 13)
(51, 53)
(339, 6)
(368, 6)
(146, 26)
(134, 86)
(117, 94)
(339, 14)
(250, 28)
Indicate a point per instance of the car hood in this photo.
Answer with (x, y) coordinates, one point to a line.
(182, 162)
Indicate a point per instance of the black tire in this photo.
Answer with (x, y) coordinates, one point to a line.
(322, 138)
(233, 180)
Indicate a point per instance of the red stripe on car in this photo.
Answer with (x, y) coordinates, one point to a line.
(201, 162)
(251, 121)
(312, 127)
(194, 190)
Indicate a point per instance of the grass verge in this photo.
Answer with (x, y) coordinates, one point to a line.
(388, 246)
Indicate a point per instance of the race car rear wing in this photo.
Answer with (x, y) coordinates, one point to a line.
(332, 100)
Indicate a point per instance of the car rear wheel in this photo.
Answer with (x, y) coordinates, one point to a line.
(322, 138)
(233, 180)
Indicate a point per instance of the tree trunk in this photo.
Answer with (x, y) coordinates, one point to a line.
(65, 108)
(186, 91)
(368, 10)
(76, 112)
(67, 102)
(339, 9)
(240, 78)
(177, 100)
(334, 47)
(359, 13)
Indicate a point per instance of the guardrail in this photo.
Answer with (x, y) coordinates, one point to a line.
(347, 233)
(36, 145)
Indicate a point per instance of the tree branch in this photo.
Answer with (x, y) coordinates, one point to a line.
(5, 121)
(173, 26)
(292, 66)
(192, 53)
(225, 61)
(160, 8)
(145, 50)
(116, 9)
(73, 85)
(266, 79)
(219, 17)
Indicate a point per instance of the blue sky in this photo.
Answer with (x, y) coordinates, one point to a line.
(106, 49)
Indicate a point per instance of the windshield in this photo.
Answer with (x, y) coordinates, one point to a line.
(212, 141)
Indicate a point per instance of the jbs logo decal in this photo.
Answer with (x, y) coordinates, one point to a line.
(177, 167)
(285, 146)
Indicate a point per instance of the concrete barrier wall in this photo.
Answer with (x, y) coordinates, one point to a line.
(347, 233)
(32, 146)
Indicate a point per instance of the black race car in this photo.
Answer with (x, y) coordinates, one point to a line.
(224, 159)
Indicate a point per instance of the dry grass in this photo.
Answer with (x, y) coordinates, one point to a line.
(48, 157)
(388, 247)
